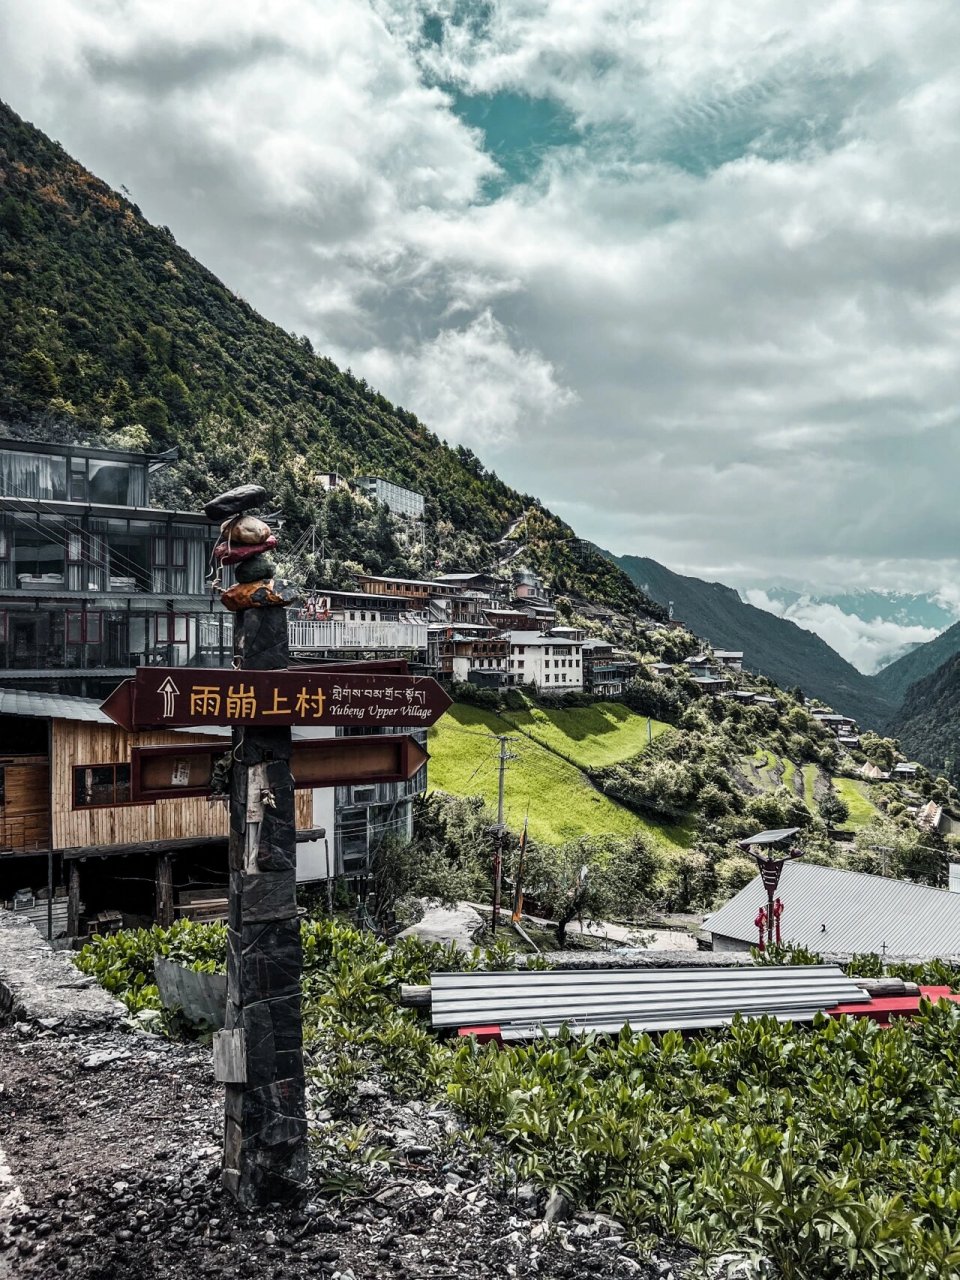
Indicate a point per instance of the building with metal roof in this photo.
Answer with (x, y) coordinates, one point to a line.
(522, 1005)
(842, 912)
(68, 706)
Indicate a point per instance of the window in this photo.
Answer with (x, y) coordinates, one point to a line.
(3, 787)
(364, 795)
(98, 786)
(84, 628)
(4, 545)
(169, 552)
(74, 548)
(78, 479)
(3, 627)
(170, 628)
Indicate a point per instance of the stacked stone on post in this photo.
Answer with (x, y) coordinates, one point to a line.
(259, 1053)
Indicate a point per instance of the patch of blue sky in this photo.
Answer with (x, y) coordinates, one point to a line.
(518, 132)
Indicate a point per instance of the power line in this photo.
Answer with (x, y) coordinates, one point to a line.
(112, 558)
(51, 535)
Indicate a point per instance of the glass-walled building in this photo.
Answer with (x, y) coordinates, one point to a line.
(92, 580)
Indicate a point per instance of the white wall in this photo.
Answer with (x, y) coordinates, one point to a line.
(312, 855)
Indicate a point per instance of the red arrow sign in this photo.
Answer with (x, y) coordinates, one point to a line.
(180, 697)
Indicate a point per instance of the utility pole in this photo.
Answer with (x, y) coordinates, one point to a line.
(884, 849)
(505, 755)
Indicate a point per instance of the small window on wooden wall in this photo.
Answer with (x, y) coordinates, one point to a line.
(99, 785)
(3, 786)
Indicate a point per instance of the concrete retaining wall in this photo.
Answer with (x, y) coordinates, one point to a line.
(43, 986)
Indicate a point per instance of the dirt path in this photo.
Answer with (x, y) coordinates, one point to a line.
(113, 1140)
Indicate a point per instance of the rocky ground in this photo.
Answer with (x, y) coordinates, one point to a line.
(112, 1144)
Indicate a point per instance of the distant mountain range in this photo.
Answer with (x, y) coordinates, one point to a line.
(774, 646)
(908, 609)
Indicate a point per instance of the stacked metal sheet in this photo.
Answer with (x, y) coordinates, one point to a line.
(524, 1005)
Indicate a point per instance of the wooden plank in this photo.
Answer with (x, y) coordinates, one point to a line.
(77, 744)
(229, 1057)
(73, 901)
(165, 890)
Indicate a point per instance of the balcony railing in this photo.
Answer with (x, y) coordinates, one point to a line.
(311, 635)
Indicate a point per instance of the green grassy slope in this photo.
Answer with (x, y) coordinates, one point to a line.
(562, 802)
(854, 796)
(809, 781)
(590, 737)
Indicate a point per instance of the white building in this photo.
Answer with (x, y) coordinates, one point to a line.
(547, 661)
(401, 501)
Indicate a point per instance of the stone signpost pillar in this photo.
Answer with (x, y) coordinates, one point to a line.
(259, 1054)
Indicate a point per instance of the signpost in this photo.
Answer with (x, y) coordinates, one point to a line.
(181, 697)
(258, 1055)
(167, 773)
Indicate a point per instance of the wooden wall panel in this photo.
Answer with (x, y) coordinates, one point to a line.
(25, 813)
(77, 743)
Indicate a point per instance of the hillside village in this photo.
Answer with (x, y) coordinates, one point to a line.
(94, 589)
(528, 982)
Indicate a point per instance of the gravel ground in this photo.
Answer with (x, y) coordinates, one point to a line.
(114, 1141)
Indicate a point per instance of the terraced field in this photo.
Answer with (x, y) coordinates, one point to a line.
(853, 795)
(589, 737)
(562, 802)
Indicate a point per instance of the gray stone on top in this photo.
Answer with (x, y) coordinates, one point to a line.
(235, 501)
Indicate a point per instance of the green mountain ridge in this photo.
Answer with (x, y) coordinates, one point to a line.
(928, 722)
(776, 647)
(114, 335)
(896, 680)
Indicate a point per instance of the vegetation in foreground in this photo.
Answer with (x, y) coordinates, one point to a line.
(827, 1152)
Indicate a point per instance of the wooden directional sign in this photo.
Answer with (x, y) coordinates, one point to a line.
(164, 773)
(181, 697)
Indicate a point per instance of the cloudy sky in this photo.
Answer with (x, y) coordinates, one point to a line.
(688, 271)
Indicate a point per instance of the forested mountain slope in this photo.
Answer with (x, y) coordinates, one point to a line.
(895, 681)
(928, 722)
(113, 334)
(773, 646)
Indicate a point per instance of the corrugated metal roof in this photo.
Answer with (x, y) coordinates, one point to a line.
(524, 1004)
(67, 706)
(862, 913)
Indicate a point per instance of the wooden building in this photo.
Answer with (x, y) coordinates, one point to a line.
(69, 823)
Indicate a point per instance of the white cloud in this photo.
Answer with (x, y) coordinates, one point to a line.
(869, 643)
(719, 325)
(474, 382)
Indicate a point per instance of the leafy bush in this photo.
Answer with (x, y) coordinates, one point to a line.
(832, 1152)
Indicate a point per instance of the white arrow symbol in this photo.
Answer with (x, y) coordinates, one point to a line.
(169, 691)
